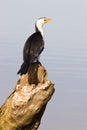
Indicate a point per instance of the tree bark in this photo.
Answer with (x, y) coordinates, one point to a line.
(25, 106)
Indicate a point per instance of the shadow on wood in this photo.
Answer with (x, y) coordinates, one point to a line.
(25, 106)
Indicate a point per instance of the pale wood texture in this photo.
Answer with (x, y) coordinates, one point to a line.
(25, 106)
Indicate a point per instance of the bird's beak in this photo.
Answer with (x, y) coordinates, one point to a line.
(47, 20)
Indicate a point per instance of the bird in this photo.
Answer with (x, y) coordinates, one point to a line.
(34, 45)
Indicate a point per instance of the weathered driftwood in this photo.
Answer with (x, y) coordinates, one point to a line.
(25, 106)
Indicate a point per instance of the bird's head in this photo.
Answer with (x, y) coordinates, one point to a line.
(40, 22)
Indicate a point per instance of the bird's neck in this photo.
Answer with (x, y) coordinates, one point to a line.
(38, 28)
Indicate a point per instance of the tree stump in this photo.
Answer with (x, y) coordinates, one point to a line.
(25, 106)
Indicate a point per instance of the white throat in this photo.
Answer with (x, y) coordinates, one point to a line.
(39, 28)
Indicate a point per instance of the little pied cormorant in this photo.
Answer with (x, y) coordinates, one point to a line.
(33, 46)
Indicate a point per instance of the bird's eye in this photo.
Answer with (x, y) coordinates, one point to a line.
(44, 20)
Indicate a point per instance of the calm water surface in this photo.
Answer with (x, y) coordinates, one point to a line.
(67, 67)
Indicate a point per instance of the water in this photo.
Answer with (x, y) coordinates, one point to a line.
(67, 67)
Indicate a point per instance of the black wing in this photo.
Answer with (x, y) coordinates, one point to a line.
(33, 47)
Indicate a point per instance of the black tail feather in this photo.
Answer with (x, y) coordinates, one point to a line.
(23, 69)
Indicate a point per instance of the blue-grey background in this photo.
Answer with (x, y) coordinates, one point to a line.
(65, 55)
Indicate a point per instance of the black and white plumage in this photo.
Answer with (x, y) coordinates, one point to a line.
(33, 46)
